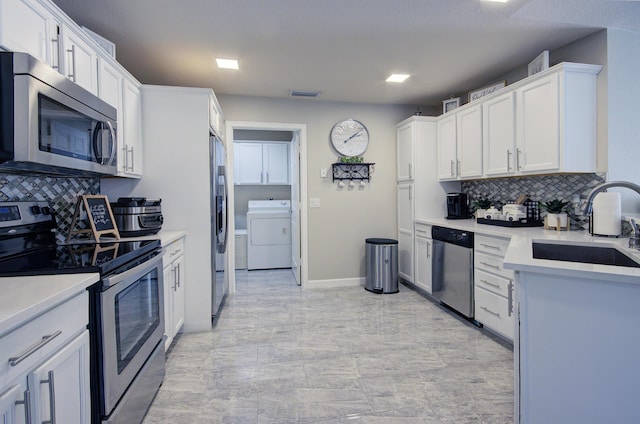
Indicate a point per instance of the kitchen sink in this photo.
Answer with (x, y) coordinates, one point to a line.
(582, 253)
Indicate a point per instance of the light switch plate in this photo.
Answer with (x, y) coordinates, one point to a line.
(314, 202)
(323, 172)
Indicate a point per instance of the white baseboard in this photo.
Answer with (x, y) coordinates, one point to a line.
(196, 327)
(338, 282)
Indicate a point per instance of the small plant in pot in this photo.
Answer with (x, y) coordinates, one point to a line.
(481, 205)
(556, 217)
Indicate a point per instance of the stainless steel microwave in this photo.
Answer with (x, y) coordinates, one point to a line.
(50, 124)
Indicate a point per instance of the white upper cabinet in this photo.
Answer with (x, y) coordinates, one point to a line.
(543, 124)
(469, 142)
(130, 143)
(80, 60)
(405, 138)
(499, 135)
(447, 150)
(27, 26)
(537, 123)
(261, 163)
(460, 144)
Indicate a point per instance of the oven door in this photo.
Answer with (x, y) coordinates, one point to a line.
(132, 325)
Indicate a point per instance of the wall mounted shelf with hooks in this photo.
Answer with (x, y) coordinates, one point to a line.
(352, 171)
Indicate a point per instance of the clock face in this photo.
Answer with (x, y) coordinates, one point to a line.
(350, 137)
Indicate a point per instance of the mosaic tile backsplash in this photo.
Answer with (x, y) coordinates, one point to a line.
(60, 192)
(567, 187)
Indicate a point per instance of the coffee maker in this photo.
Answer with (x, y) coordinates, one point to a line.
(457, 206)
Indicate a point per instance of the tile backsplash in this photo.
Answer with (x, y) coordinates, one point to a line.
(541, 188)
(60, 192)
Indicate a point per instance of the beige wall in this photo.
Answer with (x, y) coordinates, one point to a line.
(338, 228)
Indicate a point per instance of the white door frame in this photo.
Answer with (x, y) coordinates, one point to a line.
(301, 129)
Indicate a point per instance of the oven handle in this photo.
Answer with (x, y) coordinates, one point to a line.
(128, 274)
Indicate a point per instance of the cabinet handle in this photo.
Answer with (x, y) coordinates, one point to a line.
(177, 276)
(267, 179)
(491, 284)
(15, 360)
(490, 246)
(495, 314)
(175, 252)
(421, 231)
(72, 75)
(518, 153)
(458, 167)
(410, 193)
(508, 160)
(125, 166)
(490, 265)
(27, 406)
(52, 398)
(55, 42)
(510, 298)
(452, 168)
(428, 250)
(410, 172)
(132, 167)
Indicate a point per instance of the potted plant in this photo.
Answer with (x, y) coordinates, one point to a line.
(481, 205)
(556, 217)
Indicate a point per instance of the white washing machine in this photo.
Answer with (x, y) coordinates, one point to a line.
(268, 234)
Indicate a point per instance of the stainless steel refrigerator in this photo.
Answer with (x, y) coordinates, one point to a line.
(219, 223)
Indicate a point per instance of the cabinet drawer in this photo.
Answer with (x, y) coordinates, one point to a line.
(493, 312)
(491, 264)
(42, 336)
(492, 283)
(423, 230)
(493, 245)
(173, 251)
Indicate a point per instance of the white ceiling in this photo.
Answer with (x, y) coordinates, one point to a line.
(344, 49)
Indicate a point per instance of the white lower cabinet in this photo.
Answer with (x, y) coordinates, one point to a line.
(44, 367)
(423, 254)
(173, 273)
(494, 286)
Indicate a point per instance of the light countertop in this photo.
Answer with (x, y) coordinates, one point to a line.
(519, 255)
(24, 298)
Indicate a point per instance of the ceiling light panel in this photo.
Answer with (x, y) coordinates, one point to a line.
(497, 1)
(227, 63)
(397, 77)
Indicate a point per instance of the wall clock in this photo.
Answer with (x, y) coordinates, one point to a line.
(350, 137)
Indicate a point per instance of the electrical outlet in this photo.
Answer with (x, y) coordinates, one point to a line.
(314, 202)
(323, 172)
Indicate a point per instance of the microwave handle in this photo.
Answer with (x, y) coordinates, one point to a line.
(98, 142)
(114, 145)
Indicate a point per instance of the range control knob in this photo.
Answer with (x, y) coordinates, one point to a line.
(35, 209)
(46, 210)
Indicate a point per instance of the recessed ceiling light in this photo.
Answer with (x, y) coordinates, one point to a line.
(397, 77)
(497, 1)
(227, 63)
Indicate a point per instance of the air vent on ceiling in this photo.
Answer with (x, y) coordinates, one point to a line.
(301, 93)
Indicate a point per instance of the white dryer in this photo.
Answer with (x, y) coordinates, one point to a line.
(268, 234)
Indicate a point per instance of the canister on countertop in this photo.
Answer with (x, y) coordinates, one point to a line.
(606, 219)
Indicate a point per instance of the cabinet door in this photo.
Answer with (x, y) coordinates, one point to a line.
(405, 231)
(167, 275)
(247, 163)
(80, 61)
(424, 249)
(538, 132)
(63, 380)
(404, 138)
(499, 135)
(178, 295)
(13, 403)
(131, 141)
(275, 163)
(447, 154)
(28, 27)
(469, 142)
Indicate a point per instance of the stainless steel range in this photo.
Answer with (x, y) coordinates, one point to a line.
(126, 306)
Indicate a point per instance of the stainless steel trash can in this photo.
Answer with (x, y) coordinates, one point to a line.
(381, 255)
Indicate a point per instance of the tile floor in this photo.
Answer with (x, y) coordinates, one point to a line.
(280, 354)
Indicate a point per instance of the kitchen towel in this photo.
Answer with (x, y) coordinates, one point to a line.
(607, 214)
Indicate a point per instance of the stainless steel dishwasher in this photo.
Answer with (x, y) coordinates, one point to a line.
(453, 268)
